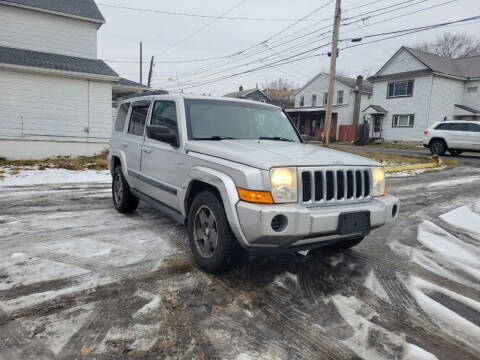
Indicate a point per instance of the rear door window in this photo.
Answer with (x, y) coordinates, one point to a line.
(122, 117)
(472, 127)
(458, 127)
(138, 118)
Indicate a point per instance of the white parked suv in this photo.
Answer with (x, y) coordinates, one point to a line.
(240, 176)
(455, 136)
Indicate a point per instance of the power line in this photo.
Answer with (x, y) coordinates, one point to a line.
(291, 58)
(175, 13)
(202, 28)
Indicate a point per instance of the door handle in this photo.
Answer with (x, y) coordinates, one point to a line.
(124, 144)
(147, 150)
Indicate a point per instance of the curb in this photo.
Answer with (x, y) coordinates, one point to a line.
(430, 165)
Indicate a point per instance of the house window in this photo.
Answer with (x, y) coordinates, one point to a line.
(472, 89)
(340, 97)
(403, 120)
(314, 99)
(325, 98)
(302, 100)
(400, 89)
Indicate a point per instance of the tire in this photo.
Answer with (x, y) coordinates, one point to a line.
(212, 242)
(123, 200)
(438, 147)
(455, 152)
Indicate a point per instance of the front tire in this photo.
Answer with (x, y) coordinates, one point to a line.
(212, 242)
(438, 147)
(123, 199)
(455, 152)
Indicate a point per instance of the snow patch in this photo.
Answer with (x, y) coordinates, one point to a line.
(446, 318)
(149, 307)
(374, 286)
(461, 181)
(464, 219)
(55, 176)
(414, 352)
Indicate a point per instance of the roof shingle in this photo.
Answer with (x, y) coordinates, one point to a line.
(43, 60)
(82, 8)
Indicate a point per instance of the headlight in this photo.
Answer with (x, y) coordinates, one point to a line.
(284, 184)
(378, 175)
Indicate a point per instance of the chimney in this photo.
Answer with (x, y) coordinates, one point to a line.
(240, 88)
(358, 99)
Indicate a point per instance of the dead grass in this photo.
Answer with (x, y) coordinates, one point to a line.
(97, 162)
(394, 160)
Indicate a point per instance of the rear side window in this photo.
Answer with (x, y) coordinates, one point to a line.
(137, 119)
(442, 127)
(458, 127)
(121, 117)
(473, 127)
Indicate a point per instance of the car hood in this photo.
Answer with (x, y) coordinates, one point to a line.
(265, 154)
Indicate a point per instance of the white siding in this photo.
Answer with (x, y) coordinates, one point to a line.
(319, 86)
(472, 99)
(418, 104)
(33, 30)
(403, 62)
(36, 106)
(445, 94)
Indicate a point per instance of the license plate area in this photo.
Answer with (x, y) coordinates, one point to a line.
(357, 222)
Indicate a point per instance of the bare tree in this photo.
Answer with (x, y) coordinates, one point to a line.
(452, 45)
(279, 84)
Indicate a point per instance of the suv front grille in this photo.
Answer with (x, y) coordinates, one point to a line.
(335, 185)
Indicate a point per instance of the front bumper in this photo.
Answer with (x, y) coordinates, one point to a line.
(305, 226)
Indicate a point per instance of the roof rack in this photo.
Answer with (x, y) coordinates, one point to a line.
(148, 93)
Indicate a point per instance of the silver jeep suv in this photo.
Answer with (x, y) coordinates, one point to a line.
(240, 176)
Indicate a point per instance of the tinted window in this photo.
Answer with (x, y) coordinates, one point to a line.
(121, 117)
(457, 127)
(137, 119)
(473, 127)
(165, 114)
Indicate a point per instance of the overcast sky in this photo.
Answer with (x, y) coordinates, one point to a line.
(119, 38)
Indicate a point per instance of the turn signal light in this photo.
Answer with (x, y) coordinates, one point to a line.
(263, 197)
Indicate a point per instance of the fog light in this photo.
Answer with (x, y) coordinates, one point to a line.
(279, 223)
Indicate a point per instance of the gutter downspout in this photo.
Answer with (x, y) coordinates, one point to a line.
(430, 102)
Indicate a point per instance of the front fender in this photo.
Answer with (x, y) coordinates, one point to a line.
(228, 191)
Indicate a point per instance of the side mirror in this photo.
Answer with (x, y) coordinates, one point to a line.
(305, 138)
(162, 133)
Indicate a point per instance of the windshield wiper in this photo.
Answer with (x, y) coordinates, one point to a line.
(277, 138)
(216, 137)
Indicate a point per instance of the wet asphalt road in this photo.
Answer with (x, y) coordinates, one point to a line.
(79, 280)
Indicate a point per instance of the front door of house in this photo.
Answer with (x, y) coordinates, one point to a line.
(377, 126)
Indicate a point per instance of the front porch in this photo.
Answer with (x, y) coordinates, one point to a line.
(372, 126)
(311, 122)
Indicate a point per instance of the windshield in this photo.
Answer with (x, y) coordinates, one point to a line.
(219, 120)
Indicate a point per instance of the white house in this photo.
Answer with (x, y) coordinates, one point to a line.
(416, 89)
(311, 100)
(55, 95)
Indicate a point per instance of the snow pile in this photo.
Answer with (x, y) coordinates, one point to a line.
(464, 219)
(455, 182)
(414, 352)
(55, 176)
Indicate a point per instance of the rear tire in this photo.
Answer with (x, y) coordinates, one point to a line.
(455, 152)
(212, 242)
(438, 147)
(123, 199)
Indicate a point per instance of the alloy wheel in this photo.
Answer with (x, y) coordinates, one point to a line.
(118, 189)
(205, 232)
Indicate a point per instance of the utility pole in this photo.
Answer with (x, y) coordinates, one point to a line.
(141, 62)
(150, 72)
(333, 64)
